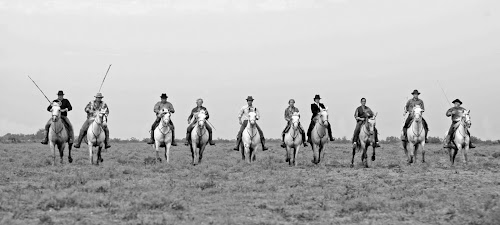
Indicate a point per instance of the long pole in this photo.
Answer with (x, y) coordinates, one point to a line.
(40, 90)
(447, 100)
(104, 77)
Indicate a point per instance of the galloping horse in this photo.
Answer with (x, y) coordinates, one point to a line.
(58, 135)
(163, 135)
(96, 136)
(250, 138)
(366, 138)
(293, 140)
(319, 135)
(461, 137)
(415, 136)
(199, 137)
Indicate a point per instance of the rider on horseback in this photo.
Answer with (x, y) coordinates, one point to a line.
(243, 119)
(157, 109)
(316, 107)
(456, 115)
(65, 108)
(92, 109)
(408, 108)
(361, 114)
(192, 122)
(288, 117)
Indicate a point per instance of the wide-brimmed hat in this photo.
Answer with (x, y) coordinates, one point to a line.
(415, 92)
(163, 95)
(457, 100)
(249, 98)
(60, 93)
(317, 97)
(99, 95)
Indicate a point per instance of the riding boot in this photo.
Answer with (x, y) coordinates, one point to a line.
(263, 141)
(46, 139)
(283, 145)
(404, 138)
(238, 142)
(173, 137)
(447, 142)
(330, 133)
(210, 141)
(426, 141)
(106, 139)
(471, 145)
(152, 140)
(79, 140)
(304, 142)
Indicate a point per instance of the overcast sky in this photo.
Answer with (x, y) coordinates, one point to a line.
(225, 50)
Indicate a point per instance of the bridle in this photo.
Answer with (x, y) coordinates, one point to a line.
(164, 123)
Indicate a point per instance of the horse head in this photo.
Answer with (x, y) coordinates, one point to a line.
(295, 120)
(466, 118)
(417, 113)
(165, 116)
(100, 118)
(201, 116)
(371, 123)
(56, 111)
(252, 118)
(323, 116)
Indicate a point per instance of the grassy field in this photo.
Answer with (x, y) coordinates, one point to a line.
(128, 188)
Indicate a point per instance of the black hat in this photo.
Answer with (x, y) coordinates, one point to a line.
(317, 97)
(457, 100)
(163, 95)
(415, 92)
(249, 98)
(60, 93)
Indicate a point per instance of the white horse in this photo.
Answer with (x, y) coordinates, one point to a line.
(415, 136)
(366, 138)
(250, 139)
(319, 135)
(163, 135)
(293, 140)
(199, 137)
(58, 135)
(96, 136)
(461, 138)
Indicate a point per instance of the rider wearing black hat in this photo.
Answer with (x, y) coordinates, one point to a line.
(162, 104)
(243, 119)
(455, 113)
(316, 107)
(408, 108)
(65, 108)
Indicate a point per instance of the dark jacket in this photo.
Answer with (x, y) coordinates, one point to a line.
(315, 109)
(65, 104)
(196, 110)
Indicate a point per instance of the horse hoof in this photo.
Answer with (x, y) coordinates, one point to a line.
(352, 166)
(373, 158)
(70, 160)
(102, 160)
(287, 160)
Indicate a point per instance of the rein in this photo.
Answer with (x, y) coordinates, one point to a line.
(54, 126)
(163, 126)
(252, 136)
(295, 133)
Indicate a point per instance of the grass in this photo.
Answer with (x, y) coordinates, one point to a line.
(130, 188)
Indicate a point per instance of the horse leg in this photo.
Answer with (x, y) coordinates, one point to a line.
(450, 153)
(70, 160)
(353, 154)
(202, 149)
(423, 153)
(98, 160)
(53, 147)
(61, 151)
(465, 151)
(410, 152)
(288, 154)
(459, 147)
(157, 151)
(247, 153)
(297, 148)
(90, 153)
(315, 153)
(373, 155)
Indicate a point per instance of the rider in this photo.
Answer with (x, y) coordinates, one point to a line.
(408, 108)
(288, 117)
(192, 124)
(65, 108)
(361, 114)
(455, 113)
(157, 109)
(243, 119)
(316, 107)
(92, 109)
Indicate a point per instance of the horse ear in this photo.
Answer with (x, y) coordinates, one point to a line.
(375, 115)
(326, 108)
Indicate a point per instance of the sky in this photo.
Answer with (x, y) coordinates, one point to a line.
(225, 50)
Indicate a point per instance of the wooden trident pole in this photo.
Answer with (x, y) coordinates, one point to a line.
(40, 90)
(104, 78)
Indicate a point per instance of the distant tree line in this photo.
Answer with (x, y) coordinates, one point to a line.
(39, 135)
